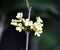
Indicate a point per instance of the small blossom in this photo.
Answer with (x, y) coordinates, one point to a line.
(13, 23)
(27, 22)
(19, 16)
(15, 20)
(19, 27)
(39, 19)
(30, 23)
(37, 27)
(37, 33)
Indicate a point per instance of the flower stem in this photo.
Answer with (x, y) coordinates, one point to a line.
(27, 3)
(29, 12)
(27, 33)
(27, 40)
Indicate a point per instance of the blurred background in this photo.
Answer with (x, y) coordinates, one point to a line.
(48, 10)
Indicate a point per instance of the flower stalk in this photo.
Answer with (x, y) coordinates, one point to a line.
(27, 33)
(27, 40)
(27, 3)
(29, 12)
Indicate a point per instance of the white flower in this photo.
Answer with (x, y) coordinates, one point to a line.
(19, 16)
(37, 27)
(30, 23)
(37, 33)
(39, 19)
(19, 27)
(15, 20)
(27, 22)
(13, 23)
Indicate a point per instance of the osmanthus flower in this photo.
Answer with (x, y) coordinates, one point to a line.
(37, 27)
(19, 16)
(39, 19)
(22, 24)
(14, 22)
(27, 22)
(19, 27)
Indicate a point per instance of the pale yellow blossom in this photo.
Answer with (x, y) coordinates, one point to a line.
(19, 27)
(37, 33)
(19, 16)
(39, 19)
(12, 20)
(37, 27)
(27, 22)
(14, 23)
(15, 20)
(30, 23)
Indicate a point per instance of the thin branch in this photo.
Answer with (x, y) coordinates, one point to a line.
(27, 40)
(27, 33)
(29, 12)
(27, 3)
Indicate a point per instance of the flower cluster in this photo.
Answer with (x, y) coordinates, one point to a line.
(22, 24)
